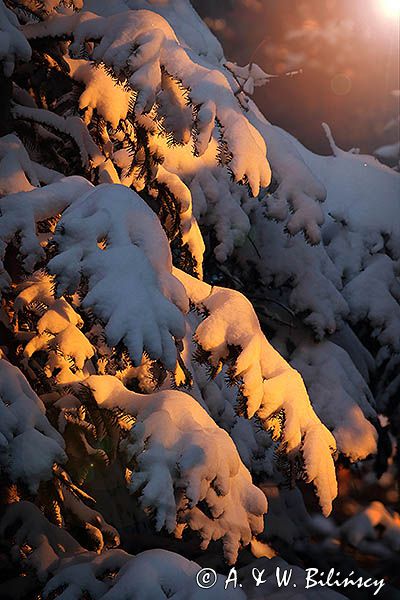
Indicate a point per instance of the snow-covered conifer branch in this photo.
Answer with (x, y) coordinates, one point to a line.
(144, 309)
(269, 384)
(153, 45)
(13, 44)
(183, 459)
(24, 426)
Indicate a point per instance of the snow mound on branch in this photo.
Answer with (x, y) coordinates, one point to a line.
(157, 48)
(57, 330)
(389, 154)
(29, 445)
(339, 395)
(72, 126)
(360, 249)
(13, 44)
(269, 384)
(306, 274)
(356, 185)
(112, 101)
(146, 576)
(17, 173)
(254, 444)
(299, 193)
(288, 518)
(101, 92)
(115, 240)
(182, 460)
(189, 28)
(248, 77)
(171, 573)
(367, 260)
(36, 289)
(362, 530)
(217, 201)
(20, 212)
(117, 575)
(47, 541)
(362, 234)
(188, 226)
(382, 308)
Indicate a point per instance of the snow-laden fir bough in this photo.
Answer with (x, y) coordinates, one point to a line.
(131, 161)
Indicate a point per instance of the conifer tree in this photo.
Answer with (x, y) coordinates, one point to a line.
(187, 328)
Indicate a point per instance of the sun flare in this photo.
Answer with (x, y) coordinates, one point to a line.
(391, 8)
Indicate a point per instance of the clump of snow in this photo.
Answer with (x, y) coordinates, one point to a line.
(175, 112)
(300, 191)
(158, 48)
(29, 445)
(187, 177)
(254, 444)
(362, 236)
(382, 308)
(269, 384)
(217, 201)
(13, 44)
(339, 395)
(101, 93)
(150, 574)
(86, 575)
(17, 173)
(57, 330)
(190, 230)
(183, 459)
(389, 154)
(21, 211)
(38, 288)
(47, 541)
(72, 126)
(328, 286)
(362, 530)
(134, 261)
(248, 77)
(306, 274)
(190, 29)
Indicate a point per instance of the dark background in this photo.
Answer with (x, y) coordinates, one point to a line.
(348, 51)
